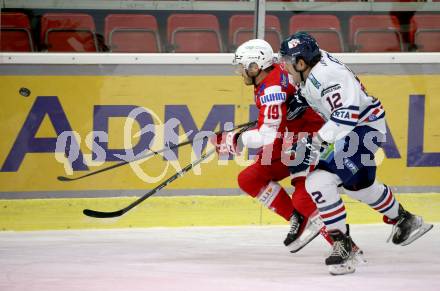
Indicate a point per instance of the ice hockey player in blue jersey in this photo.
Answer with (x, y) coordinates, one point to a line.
(343, 149)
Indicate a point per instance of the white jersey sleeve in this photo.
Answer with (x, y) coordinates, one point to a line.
(256, 138)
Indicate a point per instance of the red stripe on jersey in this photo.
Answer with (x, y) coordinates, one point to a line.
(354, 115)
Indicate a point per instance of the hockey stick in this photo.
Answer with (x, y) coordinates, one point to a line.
(67, 179)
(103, 214)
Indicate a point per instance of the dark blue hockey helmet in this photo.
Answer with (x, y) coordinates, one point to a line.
(300, 45)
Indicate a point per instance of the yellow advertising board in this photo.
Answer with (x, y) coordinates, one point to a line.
(97, 113)
(96, 108)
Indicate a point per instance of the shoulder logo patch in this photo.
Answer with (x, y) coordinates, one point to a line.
(314, 81)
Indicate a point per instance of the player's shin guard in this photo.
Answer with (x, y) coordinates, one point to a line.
(274, 197)
(322, 186)
(301, 199)
(379, 197)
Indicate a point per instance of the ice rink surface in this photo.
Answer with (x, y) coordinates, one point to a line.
(217, 258)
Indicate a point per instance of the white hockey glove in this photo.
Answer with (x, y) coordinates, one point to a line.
(228, 143)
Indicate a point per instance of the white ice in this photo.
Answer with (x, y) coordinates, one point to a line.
(217, 258)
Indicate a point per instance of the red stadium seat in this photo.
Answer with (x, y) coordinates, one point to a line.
(425, 32)
(194, 33)
(68, 32)
(15, 33)
(132, 33)
(395, 0)
(241, 29)
(326, 29)
(375, 33)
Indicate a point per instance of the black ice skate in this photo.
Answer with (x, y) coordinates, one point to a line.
(295, 224)
(302, 231)
(341, 260)
(407, 227)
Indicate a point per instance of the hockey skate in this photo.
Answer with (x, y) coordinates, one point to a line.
(356, 252)
(296, 221)
(341, 260)
(407, 227)
(302, 231)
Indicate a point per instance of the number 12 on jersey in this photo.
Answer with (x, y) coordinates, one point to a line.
(334, 101)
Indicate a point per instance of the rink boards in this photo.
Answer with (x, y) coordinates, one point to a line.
(66, 213)
(94, 102)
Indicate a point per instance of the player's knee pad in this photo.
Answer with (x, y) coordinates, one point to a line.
(249, 184)
(320, 180)
(367, 195)
(269, 193)
(242, 181)
(363, 179)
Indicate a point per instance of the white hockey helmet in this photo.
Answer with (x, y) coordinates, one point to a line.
(254, 51)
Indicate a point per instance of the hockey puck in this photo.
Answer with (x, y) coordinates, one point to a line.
(25, 92)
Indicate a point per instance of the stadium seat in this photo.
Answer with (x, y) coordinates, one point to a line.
(15, 33)
(375, 33)
(68, 32)
(194, 33)
(132, 33)
(395, 0)
(241, 29)
(326, 29)
(425, 32)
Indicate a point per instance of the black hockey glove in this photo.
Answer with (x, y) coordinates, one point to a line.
(297, 104)
(307, 152)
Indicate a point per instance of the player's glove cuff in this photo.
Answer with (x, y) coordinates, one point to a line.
(228, 143)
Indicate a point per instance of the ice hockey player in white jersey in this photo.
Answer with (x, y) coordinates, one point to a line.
(343, 149)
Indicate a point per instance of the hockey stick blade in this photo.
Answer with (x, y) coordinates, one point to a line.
(100, 214)
(67, 179)
(103, 214)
